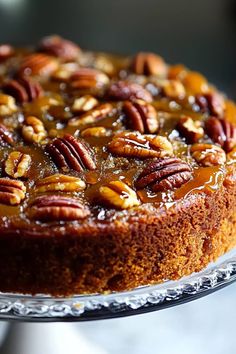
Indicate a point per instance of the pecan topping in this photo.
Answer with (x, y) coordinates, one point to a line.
(69, 153)
(221, 132)
(33, 130)
(164, 174)
(97, 132)
(129, 144)
(23, 90)
(59, 182)
(52, 208)
(148, 64)
(59, 47)
(119, 195)
(5, 136)
(142, 115)
(87, 78)
(17, 164)
(92, 116)
(212, 103)
(84, 103)
(12, 192)
(191, 130)
(6, 51)
(173, 89)
(7, 105)
(38, 64)
(122, 91)
(208, 154)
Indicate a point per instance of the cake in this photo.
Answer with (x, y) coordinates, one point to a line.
(115, 172)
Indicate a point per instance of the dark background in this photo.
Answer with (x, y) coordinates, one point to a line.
(200, 33)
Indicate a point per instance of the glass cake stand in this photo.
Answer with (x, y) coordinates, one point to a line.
(26, 308)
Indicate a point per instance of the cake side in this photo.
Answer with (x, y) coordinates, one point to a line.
(148, 247)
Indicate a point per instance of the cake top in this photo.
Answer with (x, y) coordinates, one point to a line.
(83, 135)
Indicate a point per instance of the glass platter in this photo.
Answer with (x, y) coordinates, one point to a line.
(42, 308)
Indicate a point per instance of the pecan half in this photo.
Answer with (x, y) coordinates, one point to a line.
(221, 132)
(123, 90)
(33, 130)
(191, 130)
(92, 116)
(52, 208)
(208, 154)
(59, 182)
(132, 144)
(38, 64)
(148, 64)
(23, 90)
(84, 103)
(5, 136)
(142, 116)
(7, 105)
(164, 174)
(87, 78)
(212, 103)
(6, 51)
(17, 164)
(12, 192)
(59, 47)
(119, 195)
(69, 153)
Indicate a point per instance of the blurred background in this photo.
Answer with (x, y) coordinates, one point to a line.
(202, 35)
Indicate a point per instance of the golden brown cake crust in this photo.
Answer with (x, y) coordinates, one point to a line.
(114, 172)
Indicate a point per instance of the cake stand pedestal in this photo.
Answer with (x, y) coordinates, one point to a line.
(46, 338)
(37, 338)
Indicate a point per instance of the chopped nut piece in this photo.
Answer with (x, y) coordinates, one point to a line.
(208, 154)
(177, 72)
(33, 130)
(128, 144)
(190, 129)
(97, 132)
(164, 174)
(123, 90)
(59, 182)
(84, 103)
(17, 164)
(87, 78)
(222, 133)
(195, 83)
(59, 47)
(149, 64)
(173, 89)
(142, 115)
(69, 153)
(104, 64)
(23, 90)
(12, 192)
(52, 207)
(5, 135)
(38, 64)
(64, 71)
(92, 116)
(7, 105)
(119, 195)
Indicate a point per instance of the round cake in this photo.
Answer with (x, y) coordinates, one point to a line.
(115, 172)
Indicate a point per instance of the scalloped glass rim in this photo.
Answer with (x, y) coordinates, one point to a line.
(143, 299)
